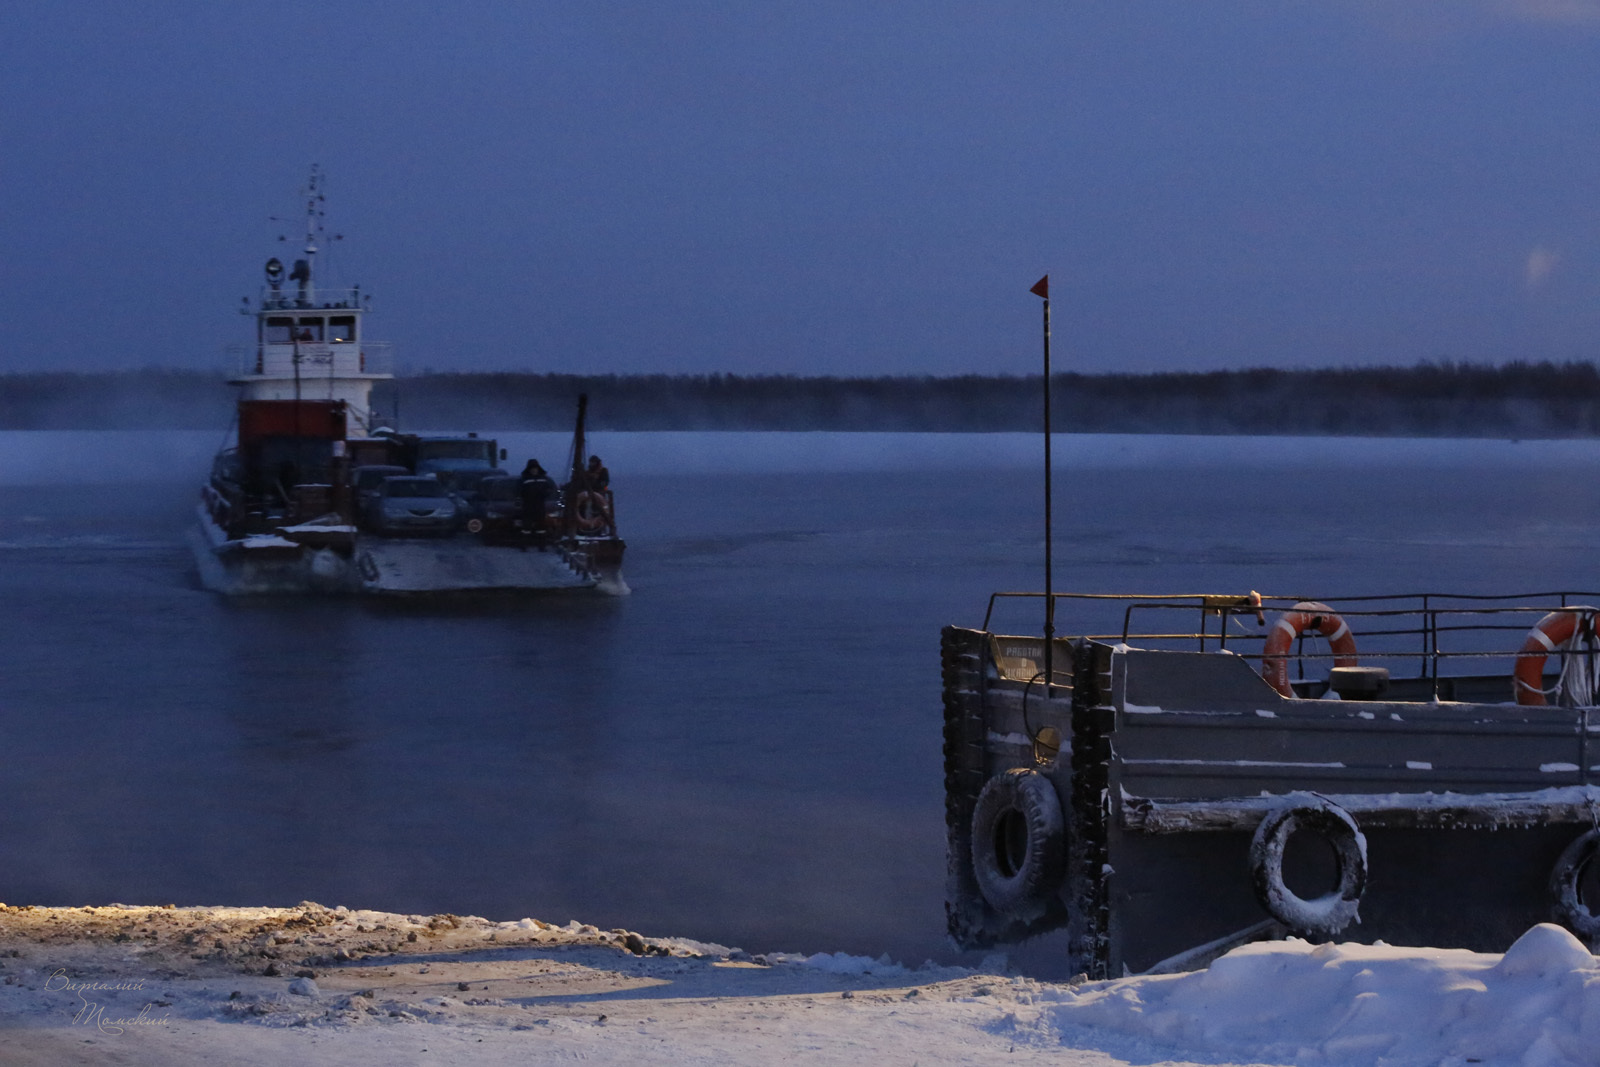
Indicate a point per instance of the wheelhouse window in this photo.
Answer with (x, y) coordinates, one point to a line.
(342, 329)
(277, 330)
(309, 329)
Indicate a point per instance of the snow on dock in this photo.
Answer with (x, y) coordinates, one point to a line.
(162, 985)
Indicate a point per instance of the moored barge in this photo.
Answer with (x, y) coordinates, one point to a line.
(1189, 773)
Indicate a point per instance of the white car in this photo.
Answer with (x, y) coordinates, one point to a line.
(412, 506)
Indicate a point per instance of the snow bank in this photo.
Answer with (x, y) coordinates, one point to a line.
(1293, 1002)
(841, 963)
(175, 987)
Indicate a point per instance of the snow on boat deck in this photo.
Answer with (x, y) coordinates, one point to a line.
(151, 985)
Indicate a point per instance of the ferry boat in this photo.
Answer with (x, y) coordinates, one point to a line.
(315, 494)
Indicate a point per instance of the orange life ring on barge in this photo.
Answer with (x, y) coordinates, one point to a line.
(1547, 635)
(1306, 615)
(590, 511)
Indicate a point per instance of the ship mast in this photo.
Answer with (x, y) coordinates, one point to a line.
(302, 272)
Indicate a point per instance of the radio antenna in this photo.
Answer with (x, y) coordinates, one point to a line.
(316, 229)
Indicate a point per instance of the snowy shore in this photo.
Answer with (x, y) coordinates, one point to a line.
(162, 985)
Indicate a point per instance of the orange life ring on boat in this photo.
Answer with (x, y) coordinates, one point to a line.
(1306, 615)
(1547, 635)
(590, 511)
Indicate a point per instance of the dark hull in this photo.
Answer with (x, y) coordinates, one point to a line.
(367, 564)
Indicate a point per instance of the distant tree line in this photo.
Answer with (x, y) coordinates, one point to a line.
(1430, 399)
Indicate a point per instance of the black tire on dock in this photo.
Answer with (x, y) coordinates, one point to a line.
(1565, 877)
(1329, 914)
(1018, 842)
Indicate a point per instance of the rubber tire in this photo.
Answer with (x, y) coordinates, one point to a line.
(1020, 801)
(1569, 907)
(1309, 918)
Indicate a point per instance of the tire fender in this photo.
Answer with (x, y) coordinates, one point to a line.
(1569, 907)
(1330, 913)
(1018, 842)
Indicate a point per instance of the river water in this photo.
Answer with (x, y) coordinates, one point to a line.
(746, 750)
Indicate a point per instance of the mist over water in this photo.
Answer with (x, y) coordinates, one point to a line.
(746, 750)
(56, 457)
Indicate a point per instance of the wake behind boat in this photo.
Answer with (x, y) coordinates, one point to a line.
(316, 495)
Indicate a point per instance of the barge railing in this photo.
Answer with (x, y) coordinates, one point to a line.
(1438, 633)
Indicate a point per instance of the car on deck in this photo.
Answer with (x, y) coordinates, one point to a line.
(412, 506)
(365, 481)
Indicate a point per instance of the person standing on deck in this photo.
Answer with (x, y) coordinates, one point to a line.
(598, 479)
(595, 484)
(537, 487)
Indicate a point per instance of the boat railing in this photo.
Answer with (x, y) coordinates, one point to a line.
(1422, 635)
(316, 360)
(316, 300)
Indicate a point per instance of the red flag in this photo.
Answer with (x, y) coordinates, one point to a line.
(1042, 288)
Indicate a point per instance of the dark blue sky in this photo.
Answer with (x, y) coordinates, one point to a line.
(828, 188)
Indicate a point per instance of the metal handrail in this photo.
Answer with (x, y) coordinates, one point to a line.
(1439, 619)
(320, 300)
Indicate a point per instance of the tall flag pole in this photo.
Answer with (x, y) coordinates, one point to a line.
(1042, 289)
